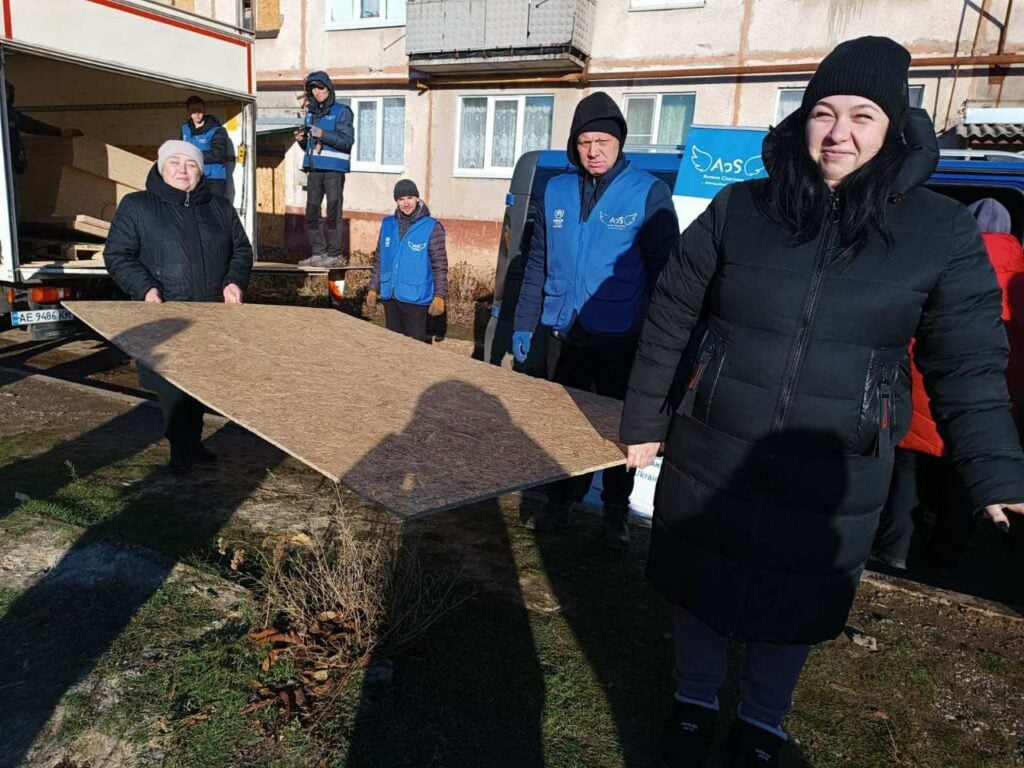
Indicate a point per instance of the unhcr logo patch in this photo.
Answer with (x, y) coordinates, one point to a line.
(618, 222)
(559, 219)
(417, 246)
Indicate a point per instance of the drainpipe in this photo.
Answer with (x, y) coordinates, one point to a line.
(586, 77)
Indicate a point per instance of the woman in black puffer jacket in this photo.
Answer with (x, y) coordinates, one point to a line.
(773, 368)
(178, 242)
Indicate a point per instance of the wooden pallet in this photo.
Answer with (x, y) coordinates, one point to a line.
(35, 249)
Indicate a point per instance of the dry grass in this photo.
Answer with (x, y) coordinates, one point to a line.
(336, 598)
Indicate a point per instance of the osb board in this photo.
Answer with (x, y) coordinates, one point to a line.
(61, 190)
(413, 428)
(89, 155)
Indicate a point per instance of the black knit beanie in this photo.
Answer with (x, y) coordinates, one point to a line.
(873, 67)
(406, 188)
(598, 112)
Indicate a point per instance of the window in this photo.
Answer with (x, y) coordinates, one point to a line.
(380, 133)
(789, 101)
(790, 98)
(495, 130)
(661, 5)
(659, 118)
(355, 14)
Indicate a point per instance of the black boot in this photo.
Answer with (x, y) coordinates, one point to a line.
(686, 740)
(203, 454)
(615, 526)
(550, 516)
(753, 747)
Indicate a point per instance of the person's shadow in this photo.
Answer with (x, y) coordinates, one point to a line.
(59, 627)
(472, 691)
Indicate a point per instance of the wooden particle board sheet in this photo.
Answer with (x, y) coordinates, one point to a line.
(411, 427)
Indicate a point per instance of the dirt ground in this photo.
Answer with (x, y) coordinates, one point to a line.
(125, 598)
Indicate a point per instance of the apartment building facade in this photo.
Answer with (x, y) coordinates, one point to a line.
(450, 93)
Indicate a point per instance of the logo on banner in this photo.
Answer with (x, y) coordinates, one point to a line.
(705, 162)
(618, 222)
(559, 218)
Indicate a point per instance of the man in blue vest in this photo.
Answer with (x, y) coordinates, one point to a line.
(205, 133)
(326, 140)
(601, 235)
(410, 273)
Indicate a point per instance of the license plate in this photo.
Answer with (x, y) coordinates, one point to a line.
(33, 316)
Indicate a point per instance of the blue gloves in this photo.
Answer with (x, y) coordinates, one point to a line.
(521, 345)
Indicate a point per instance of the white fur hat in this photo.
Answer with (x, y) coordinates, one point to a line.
(177, 147)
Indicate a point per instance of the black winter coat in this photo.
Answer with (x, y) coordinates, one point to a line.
(780, 384)
(189, 245)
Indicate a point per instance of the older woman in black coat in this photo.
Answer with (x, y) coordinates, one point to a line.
(773, 368)
(178, 242)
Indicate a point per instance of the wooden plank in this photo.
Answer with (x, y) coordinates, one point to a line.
(413, 428)
(280, 266)
(89, 155)
(88, 225)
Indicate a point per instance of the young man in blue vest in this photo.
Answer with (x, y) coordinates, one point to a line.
(601, 235)
(326, 139)
(205, 133)
(410, 273)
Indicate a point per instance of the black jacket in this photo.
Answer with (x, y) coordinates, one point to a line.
(780, 384)
(189, 245)
(218, 152)
(341, 139)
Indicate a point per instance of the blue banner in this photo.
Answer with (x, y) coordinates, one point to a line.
(718, 156)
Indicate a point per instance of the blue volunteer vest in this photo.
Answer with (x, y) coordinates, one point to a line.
(329, 158)
(405, 272)
(595, 271)
(202, 142)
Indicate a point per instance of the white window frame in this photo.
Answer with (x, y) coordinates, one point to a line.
(387, 20)
(776, 119)
(377, 166)
(489, 171)
(914, 88)
(664, 5)
(656, 117)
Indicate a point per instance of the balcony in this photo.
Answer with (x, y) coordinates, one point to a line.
(485, 36)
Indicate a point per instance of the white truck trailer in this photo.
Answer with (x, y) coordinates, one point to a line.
(119, 71)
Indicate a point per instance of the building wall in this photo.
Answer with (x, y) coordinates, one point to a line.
(723, 33)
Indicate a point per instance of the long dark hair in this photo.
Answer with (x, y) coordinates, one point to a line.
(796, 193)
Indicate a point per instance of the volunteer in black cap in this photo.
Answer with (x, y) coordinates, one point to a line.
(410, 268)
(601, 235)
(773, 368)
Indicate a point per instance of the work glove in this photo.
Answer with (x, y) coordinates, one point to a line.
(436, 307)
(371, 300)
(521, 345)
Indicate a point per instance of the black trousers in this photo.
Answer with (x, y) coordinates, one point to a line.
(217, 187)
(600, 368)
(919, 482)
(407, 319)
(183, 415)
(324, 235)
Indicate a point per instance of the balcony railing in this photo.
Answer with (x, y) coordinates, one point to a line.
(448, 36)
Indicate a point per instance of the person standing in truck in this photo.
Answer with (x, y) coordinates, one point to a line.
(206, 134)
(326, 139)
(19, 123)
